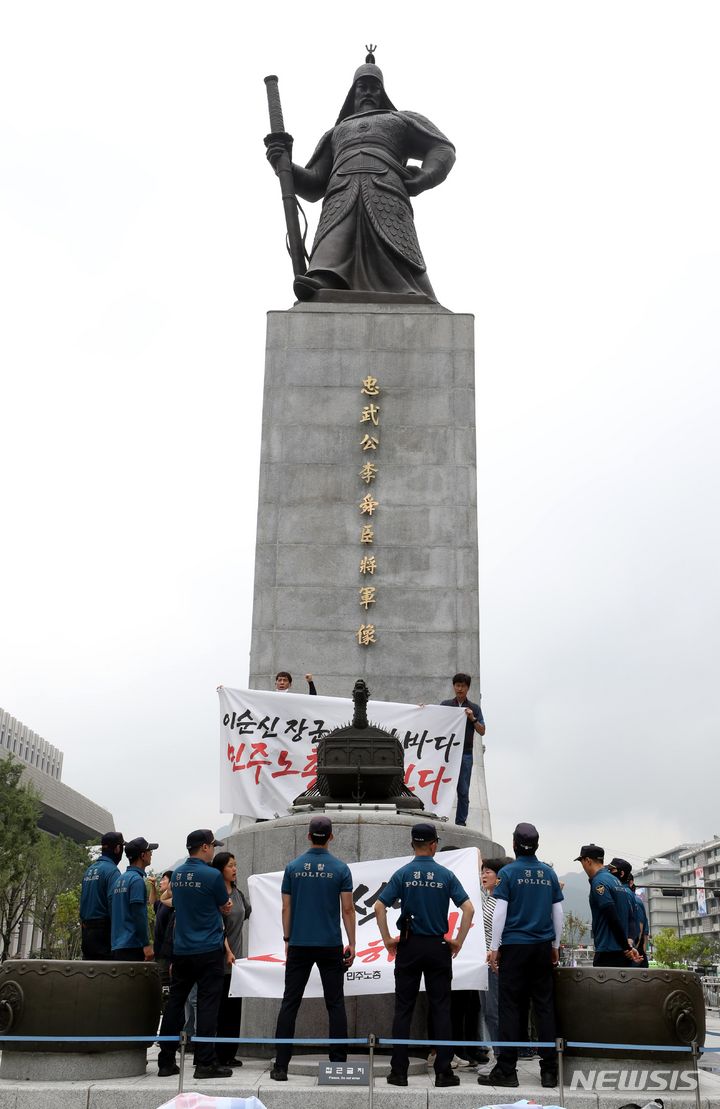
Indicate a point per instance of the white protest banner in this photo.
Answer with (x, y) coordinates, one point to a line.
(262, 973)
(268, 747)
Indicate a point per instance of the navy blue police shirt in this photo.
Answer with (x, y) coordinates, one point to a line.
(642, 917)
(632, 912)
(424, 890)
(605, 896)
(531, 888)
(98, 881)
(129, 926)
(470, 732)
(314, 882)
(198, 891)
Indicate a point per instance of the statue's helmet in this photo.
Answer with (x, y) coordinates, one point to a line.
(369, 69)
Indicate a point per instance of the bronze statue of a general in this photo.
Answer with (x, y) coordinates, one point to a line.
(366, 239)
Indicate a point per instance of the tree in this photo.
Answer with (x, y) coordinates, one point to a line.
(19, 814)
(40, 874)
(59, 869)
(574, 931)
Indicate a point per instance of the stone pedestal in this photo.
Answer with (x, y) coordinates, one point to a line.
(397, 380)
(269, 846)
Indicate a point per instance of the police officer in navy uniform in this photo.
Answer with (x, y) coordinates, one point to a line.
(95, 895)
(424, 890)
(199, 898)
(317, 889)
(130, 931)
(614, 946)
(643, 924)
(526, 929)
(621, 868)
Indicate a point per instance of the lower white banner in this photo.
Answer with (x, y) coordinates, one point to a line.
(268, 747)
(262, 973)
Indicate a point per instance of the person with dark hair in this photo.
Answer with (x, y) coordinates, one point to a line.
(424, 890)
(164, 928)
(95, 898)
(230, 1012)
(201, 900)
(283, 681)
(474, 725)
(524, 948)
(489, 1011)
(317, 890)
(610, 912)
(130, 932)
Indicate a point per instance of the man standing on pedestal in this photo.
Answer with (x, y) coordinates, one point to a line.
(316, 889)
(473, 725)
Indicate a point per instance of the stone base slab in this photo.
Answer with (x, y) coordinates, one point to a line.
(149, 1091)
(55, 1066)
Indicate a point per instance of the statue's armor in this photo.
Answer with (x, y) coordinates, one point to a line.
(368, 156)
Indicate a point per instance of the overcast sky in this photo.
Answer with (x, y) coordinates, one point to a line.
(141, 246)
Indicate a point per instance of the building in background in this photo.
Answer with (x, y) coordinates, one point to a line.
(658, 883)
(64, 811)
(700, 881)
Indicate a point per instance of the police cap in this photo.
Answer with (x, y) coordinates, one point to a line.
(112, 839)
(424, 833)
(620, 864)
(200, 837)
(320, 829)
(591, 851)
(136, 846)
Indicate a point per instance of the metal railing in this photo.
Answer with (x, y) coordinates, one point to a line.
(373, 1042)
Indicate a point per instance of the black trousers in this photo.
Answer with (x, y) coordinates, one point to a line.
(611, 959)
(228, 1022)
(431, 958)
(95, 939)
(526, 973)
(128, 955)
(465, 1013)
(300, 961)
(208, 970)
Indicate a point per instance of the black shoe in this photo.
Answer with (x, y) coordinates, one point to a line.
(213, 1071)
(549, 1079)
(447, 1078)
(397, 1079)
(168, 1070)
(497, 1078)
(278, 1074)
(233, 1062)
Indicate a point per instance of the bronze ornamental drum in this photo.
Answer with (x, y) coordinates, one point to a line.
(47, 997)
(633, 1006)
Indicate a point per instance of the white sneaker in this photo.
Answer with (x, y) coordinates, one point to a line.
(457, 1062)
